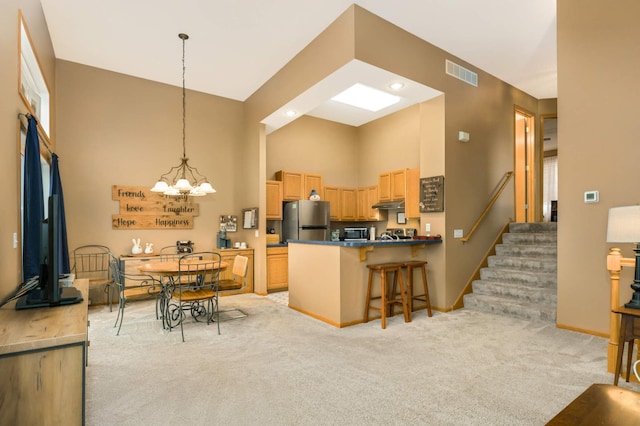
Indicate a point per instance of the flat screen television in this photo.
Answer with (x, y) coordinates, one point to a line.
(49, 293)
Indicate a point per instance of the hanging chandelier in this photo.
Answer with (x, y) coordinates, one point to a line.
(183, 180)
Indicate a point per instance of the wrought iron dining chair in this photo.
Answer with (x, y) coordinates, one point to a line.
(134, 287)
(198, 293)
(93, 262)
(172, 253)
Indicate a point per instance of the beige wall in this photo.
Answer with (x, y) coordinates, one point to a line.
(10, 106)
(128, 119)
(313, 145)
(598, 128)
(486, 112)
(116, 129)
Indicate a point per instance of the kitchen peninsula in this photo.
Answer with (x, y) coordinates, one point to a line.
(328, 279)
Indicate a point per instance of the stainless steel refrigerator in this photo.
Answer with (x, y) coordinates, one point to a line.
(306, 220)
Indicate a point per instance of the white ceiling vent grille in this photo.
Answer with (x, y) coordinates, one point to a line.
(461, 73)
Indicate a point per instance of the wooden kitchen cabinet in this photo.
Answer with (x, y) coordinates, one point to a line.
(311, 182)
(343, 204)
(274, 200)
(348, 204)
(228, 256)
(277, 268)
(398, 185)
(384, 187)
(298, 185)
(412, 194)
(367, 196)
(401, 185)
(332, 195)
(292, 184)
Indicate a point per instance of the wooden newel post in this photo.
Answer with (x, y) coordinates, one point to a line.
(614, 266)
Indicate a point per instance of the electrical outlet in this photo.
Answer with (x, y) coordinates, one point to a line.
(257, 233)
(15, 240)
(458, 233)
(427, 227)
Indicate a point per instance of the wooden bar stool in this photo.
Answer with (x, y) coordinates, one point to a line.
(411, 266)
(386, 301)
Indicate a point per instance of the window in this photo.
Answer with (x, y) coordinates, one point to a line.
(32, 86)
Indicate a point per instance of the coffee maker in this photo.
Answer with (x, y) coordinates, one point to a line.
(223, 241)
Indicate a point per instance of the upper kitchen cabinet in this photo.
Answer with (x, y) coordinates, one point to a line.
(342, 202)
(367, 196)
(401, 185)
(332, 195)
(348, 201)
(412, 194)
(398, 185)
(384, 187)
(274, 200)
(311, 182)
(298, 185)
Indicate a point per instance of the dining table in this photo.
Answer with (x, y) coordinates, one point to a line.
(169, 270)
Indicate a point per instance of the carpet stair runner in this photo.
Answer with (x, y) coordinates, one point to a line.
(521, 278)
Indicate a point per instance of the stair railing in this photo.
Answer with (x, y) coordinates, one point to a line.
(499, 188)
(468, 288)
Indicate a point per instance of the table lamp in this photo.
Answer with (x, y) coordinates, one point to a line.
(624, 227)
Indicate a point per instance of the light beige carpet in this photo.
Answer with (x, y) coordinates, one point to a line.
(279, 367)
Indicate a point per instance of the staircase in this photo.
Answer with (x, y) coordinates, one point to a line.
(521, 278)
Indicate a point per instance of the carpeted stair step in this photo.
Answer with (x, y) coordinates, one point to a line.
(535, 279)
(527, 250)
(543, 238)
(517, 292)
(521, 278)
(511, 307)
(533, 227)
(533, 264)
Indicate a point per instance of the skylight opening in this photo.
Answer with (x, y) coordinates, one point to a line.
(365, 97)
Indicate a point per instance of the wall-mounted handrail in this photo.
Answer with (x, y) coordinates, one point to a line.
(500, 187)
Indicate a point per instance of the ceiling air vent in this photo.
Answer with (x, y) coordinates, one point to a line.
(461, 73)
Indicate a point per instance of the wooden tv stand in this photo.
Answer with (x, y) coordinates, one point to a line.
(42, 363)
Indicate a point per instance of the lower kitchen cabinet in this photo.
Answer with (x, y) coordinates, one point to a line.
(228, 256)
(277, 269)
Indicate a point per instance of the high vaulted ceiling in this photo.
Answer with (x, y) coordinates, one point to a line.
(237, 45)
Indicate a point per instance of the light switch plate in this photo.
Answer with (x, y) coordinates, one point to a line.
(458, 233)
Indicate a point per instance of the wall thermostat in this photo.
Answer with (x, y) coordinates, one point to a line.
(591, 196)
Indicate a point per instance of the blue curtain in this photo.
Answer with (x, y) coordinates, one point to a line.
(33, 203)
(56, 188)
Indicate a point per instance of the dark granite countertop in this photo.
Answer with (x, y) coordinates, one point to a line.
(376, 243)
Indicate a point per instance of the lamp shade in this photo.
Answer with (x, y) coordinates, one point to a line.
(624, 225)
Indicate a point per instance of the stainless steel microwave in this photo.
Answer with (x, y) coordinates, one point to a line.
(356, 234)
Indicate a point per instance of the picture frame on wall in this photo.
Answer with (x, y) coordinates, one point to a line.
(401, 218)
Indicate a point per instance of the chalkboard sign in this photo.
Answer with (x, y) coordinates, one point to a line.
(432, 194)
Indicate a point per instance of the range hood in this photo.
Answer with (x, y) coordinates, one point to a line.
(389, 205)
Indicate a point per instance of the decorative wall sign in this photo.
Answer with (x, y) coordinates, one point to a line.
(432, 194)
(229, 223)
(142, 209)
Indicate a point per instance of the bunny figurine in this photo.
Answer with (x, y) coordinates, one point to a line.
(136, 249)
(148, 248)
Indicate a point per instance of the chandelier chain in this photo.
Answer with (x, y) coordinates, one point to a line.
(184, 102)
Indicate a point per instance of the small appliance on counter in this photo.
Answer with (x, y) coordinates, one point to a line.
(356, 234)
(222, 240)
(184, 246)
(411, 232)
(397, 233)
